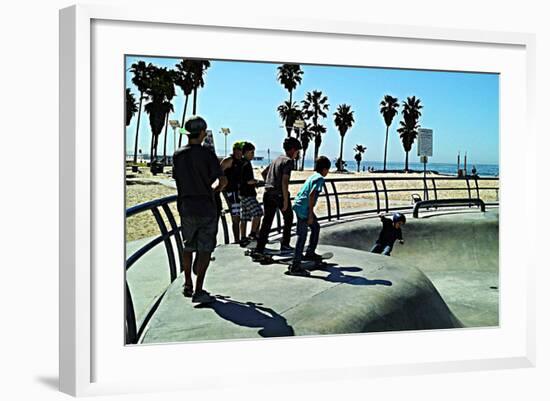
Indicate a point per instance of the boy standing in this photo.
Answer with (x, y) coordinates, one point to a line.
(391, 231)
(304, 205)
(231, 167)
(250, 208)
(276, 195)
(196, 168)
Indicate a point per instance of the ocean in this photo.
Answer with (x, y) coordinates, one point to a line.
(484, 170)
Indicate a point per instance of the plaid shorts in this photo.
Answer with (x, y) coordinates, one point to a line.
(250, 208)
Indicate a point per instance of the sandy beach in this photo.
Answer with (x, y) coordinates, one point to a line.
(143, 187)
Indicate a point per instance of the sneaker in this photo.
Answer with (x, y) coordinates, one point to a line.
(187, 291)
(287, 249)
(202, 297)
(313, 257)
(298, 270)
(244, 242)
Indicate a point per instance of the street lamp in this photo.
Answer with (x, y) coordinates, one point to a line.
(175, 124)
(225, 132)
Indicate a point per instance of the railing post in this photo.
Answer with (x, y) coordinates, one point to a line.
(177, 233)
(131, 325)
(385, 195)
(327, 200)
(167, 244)
(469, 189)
(336, 199)
(377, 196)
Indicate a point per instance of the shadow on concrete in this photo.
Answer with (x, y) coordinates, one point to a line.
(250, 314)
(336, 275)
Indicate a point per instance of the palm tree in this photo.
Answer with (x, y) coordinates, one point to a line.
(141, 80)
(343, 119)
(408, 129)
(290, 76)
(388, 109)
(198, 70)
(131, 106)
(306, 135)
(359, 150)
(161, 92)
(184, 79)
(316, 106)
(170, 76)
(318, 131)
(289, 113)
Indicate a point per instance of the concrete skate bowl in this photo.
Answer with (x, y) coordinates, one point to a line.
(358, 292)
(458, 251)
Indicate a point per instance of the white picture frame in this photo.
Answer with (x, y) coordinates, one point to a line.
(83, 357)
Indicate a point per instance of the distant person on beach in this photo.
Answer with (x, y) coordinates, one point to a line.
(474, 171)
(196, 169)
(304, 205)
(250, 208)
(231, 167)
(276, 195)
(391, 232)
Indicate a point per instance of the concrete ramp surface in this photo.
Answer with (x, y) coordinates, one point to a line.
(359, 292)
(458, 251)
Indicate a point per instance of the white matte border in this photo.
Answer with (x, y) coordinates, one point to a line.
(123, 369)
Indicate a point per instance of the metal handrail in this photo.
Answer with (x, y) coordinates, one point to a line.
(134, 332)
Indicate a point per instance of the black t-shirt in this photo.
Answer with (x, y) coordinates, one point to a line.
(282, 165)
(247, 174)
(389, 233)
(233, 175)
(195, 170)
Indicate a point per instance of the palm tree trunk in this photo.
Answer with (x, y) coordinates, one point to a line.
(315, 153)
(152, 149)
(386, 147)
(165, 135)
(183, 118)
(195, 102)
(137, 128)
(341, 167)
(407, 161)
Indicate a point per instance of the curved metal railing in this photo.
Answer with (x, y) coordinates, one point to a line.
(381, 194)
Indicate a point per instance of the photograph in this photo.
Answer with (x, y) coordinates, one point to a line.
(272, 199)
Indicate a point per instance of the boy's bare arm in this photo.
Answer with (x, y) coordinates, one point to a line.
(222, 182)
(225, 163)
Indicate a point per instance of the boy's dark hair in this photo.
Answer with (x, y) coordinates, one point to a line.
(194, 125)
(291, 143)
(247, 147)
(322, 163)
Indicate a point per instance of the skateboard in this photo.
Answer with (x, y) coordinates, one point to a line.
(287, 258)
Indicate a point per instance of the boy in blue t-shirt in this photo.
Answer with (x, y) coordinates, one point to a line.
(304, 203)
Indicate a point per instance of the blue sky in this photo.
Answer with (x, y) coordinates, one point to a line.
(461, 108)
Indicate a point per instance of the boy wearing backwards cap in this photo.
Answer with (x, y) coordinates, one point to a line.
(195, 170)
(276, 195)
